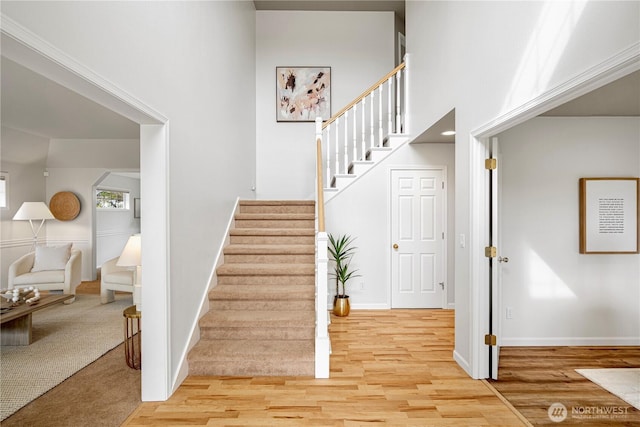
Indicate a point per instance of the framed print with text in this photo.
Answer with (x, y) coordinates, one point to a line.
(609, 215)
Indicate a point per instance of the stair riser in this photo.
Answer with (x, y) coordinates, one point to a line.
(263, 305)
(274, 223)
(272, 240)
(266, 280)
(256, 333)
(262, 292)
(290, 209)
(252, 369)
(269, 259)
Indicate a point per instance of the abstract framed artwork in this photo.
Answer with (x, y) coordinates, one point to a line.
(303, 93)
(609, 213)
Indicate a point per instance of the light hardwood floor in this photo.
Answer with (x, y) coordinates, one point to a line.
(391, 367)
(534, 378)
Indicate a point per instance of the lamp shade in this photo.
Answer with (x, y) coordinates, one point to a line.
(131, 255)
(33, 210)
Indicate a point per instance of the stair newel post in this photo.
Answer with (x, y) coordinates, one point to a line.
(363, 147)
(345, 164)
(390, 107)
(398, 101)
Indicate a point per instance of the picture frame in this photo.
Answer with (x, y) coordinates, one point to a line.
(609, 215)
(303, 93)
(136, 208)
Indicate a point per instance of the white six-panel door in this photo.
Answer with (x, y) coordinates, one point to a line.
(417, 238)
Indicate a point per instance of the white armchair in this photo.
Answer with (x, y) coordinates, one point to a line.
(114, 278)
(67, 280)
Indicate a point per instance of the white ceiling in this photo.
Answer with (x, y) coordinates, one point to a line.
(34, 104)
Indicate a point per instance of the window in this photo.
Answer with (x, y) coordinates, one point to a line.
(4, 190)
(112, 199)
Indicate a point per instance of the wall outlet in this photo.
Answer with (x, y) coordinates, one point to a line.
(361, 286)
(509, 313)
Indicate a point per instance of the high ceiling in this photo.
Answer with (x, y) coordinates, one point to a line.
(32, 103)
(396, 6)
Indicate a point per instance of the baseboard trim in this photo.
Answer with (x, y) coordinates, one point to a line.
(464, 364)
(569, 341)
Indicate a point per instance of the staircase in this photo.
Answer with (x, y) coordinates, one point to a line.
(261, 320)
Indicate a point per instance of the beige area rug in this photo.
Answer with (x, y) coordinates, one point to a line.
(66, 338)
(623, 382)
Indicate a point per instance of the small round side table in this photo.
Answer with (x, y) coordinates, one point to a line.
(132, 333)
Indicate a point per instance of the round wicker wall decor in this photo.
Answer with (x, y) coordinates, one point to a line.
(64, 205)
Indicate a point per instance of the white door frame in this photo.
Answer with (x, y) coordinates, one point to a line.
(443, 170)
(29, 50)
(621, 64)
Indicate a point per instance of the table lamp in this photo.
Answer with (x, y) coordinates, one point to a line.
(30, 211)
(131, 256)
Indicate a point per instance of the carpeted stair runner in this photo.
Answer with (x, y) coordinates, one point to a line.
(261, 319)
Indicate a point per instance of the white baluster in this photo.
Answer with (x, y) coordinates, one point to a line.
(337, 159)
(364, 128)
(372, 142)
(380, 133)
(398, 102)
(390, 108)
(346, 142)
(328, 133)
(407, 63)
(354, 144)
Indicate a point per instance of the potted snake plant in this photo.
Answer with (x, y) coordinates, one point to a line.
(341, 249)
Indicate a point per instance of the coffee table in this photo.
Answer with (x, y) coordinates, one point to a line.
(16, 322)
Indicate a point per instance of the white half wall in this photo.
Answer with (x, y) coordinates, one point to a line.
(359, 48)
(557, 295)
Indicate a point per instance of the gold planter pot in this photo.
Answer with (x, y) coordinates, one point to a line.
(341, 306)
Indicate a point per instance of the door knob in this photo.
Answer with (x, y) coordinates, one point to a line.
(503, 259)
(441, 285)
(395, 246)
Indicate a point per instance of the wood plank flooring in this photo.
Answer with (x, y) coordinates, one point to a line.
(533, 378)
(387, 368)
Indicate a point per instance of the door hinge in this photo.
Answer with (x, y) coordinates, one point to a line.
(443, 185)
(443, 235)
(490, 251)
(490, 339)
(490, 164)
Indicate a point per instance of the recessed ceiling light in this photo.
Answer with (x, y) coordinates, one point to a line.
(448, 132)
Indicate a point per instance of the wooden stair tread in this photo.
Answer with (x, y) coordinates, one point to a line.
(275, 216)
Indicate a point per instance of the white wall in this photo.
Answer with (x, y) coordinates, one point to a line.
(559, 296)
(485, 59)
(363, 211)
(24, 157)
(359, 48)
(194, 62)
